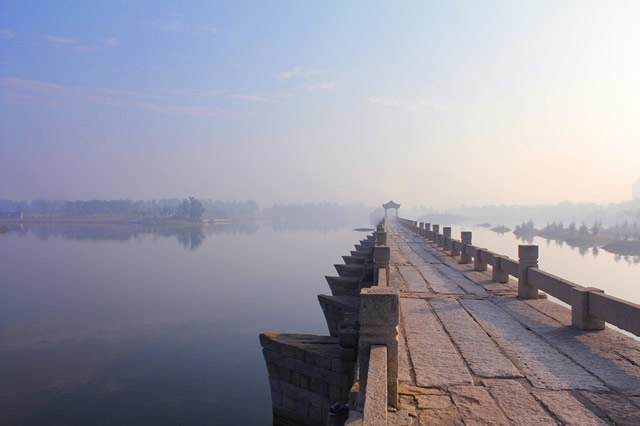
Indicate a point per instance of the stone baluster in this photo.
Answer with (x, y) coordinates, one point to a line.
(498, 274)
(434, 235)
(381, 259)
(379, 319)
(446, 238)
(528, 258)
(465, 237)
(580, 316)
(478, 263)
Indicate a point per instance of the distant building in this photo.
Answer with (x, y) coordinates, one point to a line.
(635, 190)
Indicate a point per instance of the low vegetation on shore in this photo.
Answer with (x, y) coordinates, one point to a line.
(620, 239)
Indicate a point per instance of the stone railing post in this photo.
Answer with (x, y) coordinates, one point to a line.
(580, 316)
(465, 237)
(427, 229)
(381, 238)
(420, 227)
(498, 274)
(478, 264)
(381, 259)
(446, 233)
(434, 235)
(379, 319)
(528, 258)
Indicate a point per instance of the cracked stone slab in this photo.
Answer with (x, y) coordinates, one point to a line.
(618, 408)
(519, 406)
(481, 353)
(543, 365)
(449, 417)
(404, 367)
(438, 283)
(412, 279)
(436, 362)
(395, 279)
(567, 408)
(477, 407)
(434, 402)
(421, 250)
(462, 282)
(585, 348)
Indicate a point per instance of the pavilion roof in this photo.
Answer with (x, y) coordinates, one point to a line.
(391, 205)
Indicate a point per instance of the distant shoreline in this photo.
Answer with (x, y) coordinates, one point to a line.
(102, 220)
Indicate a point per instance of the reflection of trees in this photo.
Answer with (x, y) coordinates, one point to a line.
(247, 227)
(190, 237)
(595, 251)
(525, 238)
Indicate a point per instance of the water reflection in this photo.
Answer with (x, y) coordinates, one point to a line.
(190, 237)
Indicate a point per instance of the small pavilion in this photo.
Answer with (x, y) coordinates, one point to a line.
(391, 205)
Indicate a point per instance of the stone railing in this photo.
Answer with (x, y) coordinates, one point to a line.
(378, 340)
(590, 307)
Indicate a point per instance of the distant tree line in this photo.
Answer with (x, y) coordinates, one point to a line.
(187, 209)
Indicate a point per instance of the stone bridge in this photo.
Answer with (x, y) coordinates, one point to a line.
(427, 329)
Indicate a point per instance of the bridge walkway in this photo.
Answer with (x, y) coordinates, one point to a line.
(473, 353)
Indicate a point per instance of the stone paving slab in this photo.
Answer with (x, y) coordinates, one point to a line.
(395, 279)
(616, 407)
(481, 353)
(460, 280)
(477, 407)
(567, 409)
(519, 406)
(437, 282)
(412, 279)
(436, 362)
(543, 365)
(420, 249)
(587, 349)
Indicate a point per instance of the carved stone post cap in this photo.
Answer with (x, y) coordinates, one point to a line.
(446, 231)
(465, 236)
(382, 254)
(528, 252)
(379, 306)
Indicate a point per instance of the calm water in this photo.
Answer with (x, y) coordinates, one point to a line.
(135, 325)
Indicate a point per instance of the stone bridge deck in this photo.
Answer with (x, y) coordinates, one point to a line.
(472, 353)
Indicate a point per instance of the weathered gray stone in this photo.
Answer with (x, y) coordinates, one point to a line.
(527, 258)
(379, 319)
(476, 406)
(439, 402)
(449, 417)
(460, 280)
(618, 408)
(567, 408)
(412, 279)
(542, 364)
(437, 282)
(477, 348)
(435, 360)
(375, 405)
(616, 371)
(517, 403)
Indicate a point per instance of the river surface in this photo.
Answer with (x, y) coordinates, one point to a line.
(136, 325)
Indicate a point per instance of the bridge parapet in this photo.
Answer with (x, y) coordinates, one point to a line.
(590, 307)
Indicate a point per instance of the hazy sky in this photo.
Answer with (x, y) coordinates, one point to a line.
(427, 103)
